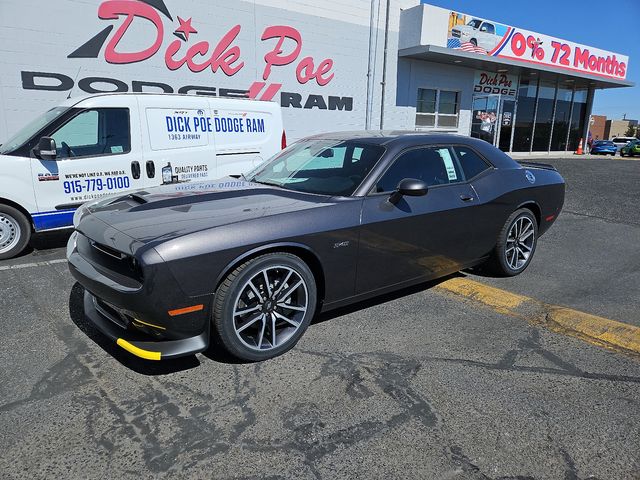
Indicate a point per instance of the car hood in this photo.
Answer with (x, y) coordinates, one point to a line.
(169, 211)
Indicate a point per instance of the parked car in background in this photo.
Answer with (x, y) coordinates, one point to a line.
(332, 220)
(112, 143)
(632, 148)
(622, 141)
(603, 147)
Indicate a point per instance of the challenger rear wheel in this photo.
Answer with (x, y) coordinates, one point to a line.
(516, 244)
(15, 232)
(263, 307)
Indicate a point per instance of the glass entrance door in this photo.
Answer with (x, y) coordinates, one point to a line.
(507, 110)
(484, 117)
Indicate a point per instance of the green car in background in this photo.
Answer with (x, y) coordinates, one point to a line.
(632, 148)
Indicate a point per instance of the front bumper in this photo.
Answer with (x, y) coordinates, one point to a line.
(151, 319)
(138, 343)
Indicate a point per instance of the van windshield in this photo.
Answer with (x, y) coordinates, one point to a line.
(323, 166)
(28, 131)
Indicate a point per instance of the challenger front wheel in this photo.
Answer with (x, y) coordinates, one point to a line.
(263, 307)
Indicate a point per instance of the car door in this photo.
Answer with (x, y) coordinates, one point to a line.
(177, 142)
(487, 38)
(417, 237)
(97, 154)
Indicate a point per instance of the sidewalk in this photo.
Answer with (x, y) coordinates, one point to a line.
(543, 155)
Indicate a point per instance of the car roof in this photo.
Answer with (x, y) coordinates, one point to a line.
(398, 140)
(396, 137)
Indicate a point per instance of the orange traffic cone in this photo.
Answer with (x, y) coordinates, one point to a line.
(579, 150)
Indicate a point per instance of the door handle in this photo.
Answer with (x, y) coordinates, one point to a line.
(466, 198)
(151, 169)
(135, 169)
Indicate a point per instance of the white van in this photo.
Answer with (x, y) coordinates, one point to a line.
(104, 144)
(620, 142)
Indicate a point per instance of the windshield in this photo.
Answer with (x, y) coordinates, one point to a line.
(28, 131)
(325, 167)
(475, 23)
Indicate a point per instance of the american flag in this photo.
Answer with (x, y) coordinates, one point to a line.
(466, 46)
(470, 47)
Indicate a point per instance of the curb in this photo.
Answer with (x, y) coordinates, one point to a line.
(592, 328)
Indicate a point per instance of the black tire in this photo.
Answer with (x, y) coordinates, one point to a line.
(501, 262)
(234, 289)
(15, 232)
(474, 41)
(621, 153)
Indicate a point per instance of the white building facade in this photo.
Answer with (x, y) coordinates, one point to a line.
(333, 65)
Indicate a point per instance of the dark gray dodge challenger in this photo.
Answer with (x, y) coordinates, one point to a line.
(331, 220)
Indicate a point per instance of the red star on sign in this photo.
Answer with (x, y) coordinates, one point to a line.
(185, 28)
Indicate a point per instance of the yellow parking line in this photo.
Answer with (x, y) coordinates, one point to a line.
(592, 328)
(501, 300)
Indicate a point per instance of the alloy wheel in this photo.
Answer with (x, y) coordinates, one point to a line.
(270, 308)
(520, 243)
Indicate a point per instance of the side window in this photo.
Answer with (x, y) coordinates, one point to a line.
(488, 28)
(472, 163)
(434, 165)
(103, 131)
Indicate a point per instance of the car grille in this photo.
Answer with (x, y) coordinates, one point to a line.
(118, 266)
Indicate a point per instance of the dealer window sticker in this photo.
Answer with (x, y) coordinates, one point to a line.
(448, 163)
(117, 149)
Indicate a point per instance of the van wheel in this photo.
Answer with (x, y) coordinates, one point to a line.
(474, 41)
(15, 232)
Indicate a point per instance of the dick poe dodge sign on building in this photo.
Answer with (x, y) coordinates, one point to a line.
(224, 48)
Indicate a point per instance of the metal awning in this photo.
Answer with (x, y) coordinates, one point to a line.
(449, 56)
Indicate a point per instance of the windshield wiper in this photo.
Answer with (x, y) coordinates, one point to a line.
(272, 184)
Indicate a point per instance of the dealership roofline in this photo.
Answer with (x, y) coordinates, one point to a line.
(461, 58)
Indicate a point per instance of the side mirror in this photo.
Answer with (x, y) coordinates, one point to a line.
(410, 187)
(46, 149)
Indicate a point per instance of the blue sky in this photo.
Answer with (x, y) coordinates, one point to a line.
(613, 27)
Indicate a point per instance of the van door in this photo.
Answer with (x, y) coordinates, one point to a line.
(98, 154)
(178, 144)
(246, 133)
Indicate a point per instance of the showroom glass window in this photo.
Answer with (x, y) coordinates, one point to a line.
(103, 131)
(437, 108)
(579, 109)
(527, 91)
(544, 116)
(562, 117)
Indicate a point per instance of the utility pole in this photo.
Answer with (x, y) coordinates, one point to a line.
(384, 66)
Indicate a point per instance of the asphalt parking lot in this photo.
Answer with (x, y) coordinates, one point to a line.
(422, 384)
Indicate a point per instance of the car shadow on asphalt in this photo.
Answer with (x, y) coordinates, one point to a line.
(215, 351)
(44, 243)
(378, 300)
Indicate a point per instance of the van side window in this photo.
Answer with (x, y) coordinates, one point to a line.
(433, 165)
(472, 163)
(97, 132)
